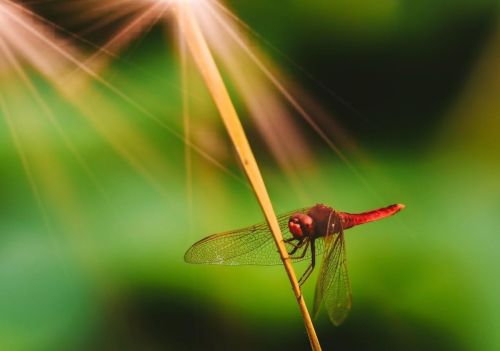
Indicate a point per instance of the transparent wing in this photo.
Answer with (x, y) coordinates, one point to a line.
(250, 245)
(333, 288)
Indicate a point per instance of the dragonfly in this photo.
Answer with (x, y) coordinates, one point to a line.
(307, 233)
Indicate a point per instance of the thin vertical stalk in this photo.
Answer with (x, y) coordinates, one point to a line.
(215, 84)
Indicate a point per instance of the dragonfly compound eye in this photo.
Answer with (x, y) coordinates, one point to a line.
(300, 225)
(295, 229)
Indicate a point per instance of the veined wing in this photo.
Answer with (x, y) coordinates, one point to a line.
(333, 288)
(250, 245)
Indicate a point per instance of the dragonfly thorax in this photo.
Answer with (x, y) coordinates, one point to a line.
(301, 225)
(324, 220)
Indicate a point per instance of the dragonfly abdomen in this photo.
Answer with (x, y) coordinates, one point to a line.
(352, 219)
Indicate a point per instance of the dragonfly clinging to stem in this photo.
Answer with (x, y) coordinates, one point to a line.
(307, 232)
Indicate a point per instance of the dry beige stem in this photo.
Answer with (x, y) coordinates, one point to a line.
(213, 79)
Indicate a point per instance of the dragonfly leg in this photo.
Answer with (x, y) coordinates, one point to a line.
(303, 251)
(309, 269)
(295, 246)
(290, 241)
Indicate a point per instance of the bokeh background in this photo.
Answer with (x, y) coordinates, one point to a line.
(97, 206)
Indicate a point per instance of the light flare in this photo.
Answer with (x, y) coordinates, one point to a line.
(262, 88)
(138, 149)
(224, 32)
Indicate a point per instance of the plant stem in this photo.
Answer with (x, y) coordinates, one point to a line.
(215, 84)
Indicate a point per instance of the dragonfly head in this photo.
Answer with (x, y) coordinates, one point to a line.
(300, 225)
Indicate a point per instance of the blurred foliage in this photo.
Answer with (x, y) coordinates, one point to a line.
(100, 266)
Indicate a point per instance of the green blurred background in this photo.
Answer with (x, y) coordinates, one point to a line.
(92, 257)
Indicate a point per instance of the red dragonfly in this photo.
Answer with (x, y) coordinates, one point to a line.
(311, 231)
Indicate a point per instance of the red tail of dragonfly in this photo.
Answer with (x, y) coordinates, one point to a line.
(307, 232)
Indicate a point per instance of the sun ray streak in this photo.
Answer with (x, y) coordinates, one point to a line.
(97, 7)
(300, 68)
(289, 97)
(25, 43)
(105, 21)
(50, 184)
(271, 116)
(67, 55)
(135, 162)
(186, 123)
(52, 119)
(126, 34)
(28, 172)
(99, 48)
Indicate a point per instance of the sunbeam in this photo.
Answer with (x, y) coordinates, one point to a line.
(51, 117)
(129, 31)
(228, 29)
(186, 122)
(131, 138)
(27, 168)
